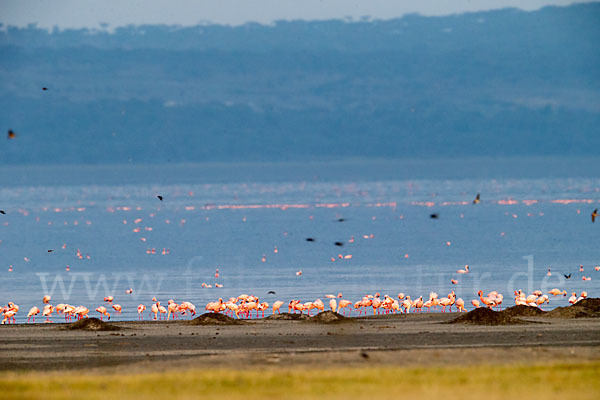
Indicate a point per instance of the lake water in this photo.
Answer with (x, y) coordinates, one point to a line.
(533, 215)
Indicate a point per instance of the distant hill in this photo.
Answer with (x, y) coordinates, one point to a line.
(496, 83)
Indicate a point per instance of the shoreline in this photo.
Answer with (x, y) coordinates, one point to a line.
(394, 340)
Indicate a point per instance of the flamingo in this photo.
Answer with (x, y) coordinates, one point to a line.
(407, 304)
(214, 306)
(153, 310)
(8, 314)
(475, 303)
(276, 306)
(541, 300)
(291, 307)
(531, 300)
(299, 306)
(69, 310)
(191, 308)
(172, 309)
(262, 307)
(573, 298)
(81, 312)
(445, 302)
(47, 311)
(117, 308)
(484, 300)
(162, 310)
(418, 304)
(103, 312)
(460, 305)
(428, 304)
(343, 304)
(46, 299)
(557, 292)
(376, 304)
(140, 309)
(319, 305)
(463, 271)
(333, 305)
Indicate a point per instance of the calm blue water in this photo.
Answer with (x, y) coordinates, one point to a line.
(233, 217)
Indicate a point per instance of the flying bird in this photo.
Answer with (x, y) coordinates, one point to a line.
(2, 212)
(434, 216)
(271, 292)
(477, 199)
(341, 219)
(594, 215)
(50, 251)
(567, 276)
(310, 239)
(339, 244)
(160, 197)
(44, 88)
(11, 134)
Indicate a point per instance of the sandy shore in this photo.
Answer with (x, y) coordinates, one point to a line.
(401, 340)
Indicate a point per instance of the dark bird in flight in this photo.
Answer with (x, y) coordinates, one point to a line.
(271, 292)
(310, 239)
(477, 199)
(434, 216)
(594, 215)
(50, 251)
(44, 88)
(339, 244)
(11, 134)
(160, 198)
(567, 276)
(2, 212)
(341, 219)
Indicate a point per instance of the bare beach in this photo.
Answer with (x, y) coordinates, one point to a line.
(271, 348)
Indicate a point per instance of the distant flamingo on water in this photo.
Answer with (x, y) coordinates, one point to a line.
(463, 271)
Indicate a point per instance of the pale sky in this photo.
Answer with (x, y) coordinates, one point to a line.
(90, 13)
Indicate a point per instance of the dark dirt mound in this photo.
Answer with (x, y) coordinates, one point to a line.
(329, 317)
(570, 312)
(288, 317)
(523, 311)
(485, 316)
(592, 304)
(587, 308)
(92, 324)
(214, 319)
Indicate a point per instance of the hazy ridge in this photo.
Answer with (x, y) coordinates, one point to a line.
(477, 84)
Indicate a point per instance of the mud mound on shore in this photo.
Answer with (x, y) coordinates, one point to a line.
(92, 324)
(288, 317)
(591, 304)
(329, 317)
(485, 316)
(587, 308)
(214, 319)
(523, 311)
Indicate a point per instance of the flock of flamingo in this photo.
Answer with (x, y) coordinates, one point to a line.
(243, 305)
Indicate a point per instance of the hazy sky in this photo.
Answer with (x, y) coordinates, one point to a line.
(90, 13)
